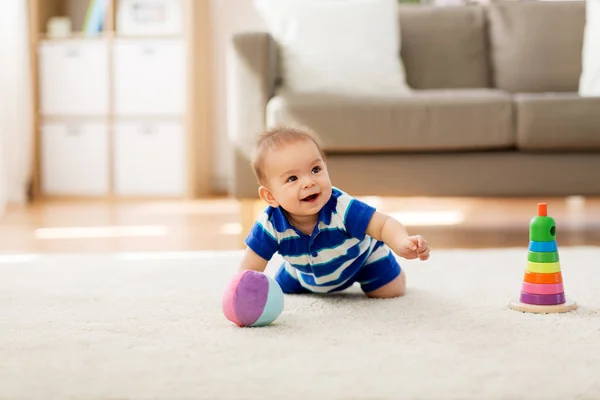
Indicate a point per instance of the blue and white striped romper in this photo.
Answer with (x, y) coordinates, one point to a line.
(336, 255)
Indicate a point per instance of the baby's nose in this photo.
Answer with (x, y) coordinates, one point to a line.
(309, 183)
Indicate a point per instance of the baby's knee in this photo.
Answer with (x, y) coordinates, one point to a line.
(403, 278)
(400, 287)
(395, 288)
(401, 284)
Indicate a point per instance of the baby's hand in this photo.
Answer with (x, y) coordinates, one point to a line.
(414, 247)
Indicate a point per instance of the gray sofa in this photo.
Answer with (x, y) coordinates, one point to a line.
(495, 111)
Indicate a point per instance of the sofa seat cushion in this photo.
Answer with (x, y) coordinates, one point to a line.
(557, 121)
(428, 120)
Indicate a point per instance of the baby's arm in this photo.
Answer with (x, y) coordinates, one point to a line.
(252, 261)
(395, 236)
(261, 245)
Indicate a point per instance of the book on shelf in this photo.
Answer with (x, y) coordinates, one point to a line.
(95, 17)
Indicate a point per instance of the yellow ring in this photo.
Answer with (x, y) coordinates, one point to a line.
(543, 268)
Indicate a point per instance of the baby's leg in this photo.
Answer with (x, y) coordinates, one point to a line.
(381, 276)
(396, 288)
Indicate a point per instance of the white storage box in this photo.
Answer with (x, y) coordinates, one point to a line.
(149, 159)
(149, 77)
(74, 158)
(74, 77)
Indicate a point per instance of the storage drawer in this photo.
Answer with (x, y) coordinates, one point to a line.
(149, 159)
(74, 158)
(74, 77)
(149, 77)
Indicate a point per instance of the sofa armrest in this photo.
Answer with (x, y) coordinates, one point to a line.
(251, 79)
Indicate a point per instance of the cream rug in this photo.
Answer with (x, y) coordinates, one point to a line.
(149, 326)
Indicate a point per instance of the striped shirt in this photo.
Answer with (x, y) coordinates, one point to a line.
(331, 255)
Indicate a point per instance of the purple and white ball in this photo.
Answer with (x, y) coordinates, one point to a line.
(252, 299)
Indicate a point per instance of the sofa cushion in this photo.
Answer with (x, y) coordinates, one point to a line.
(336, 46)
(536, 45)
(444, 47)
(589, 83)
(557, 121)
(429, 120)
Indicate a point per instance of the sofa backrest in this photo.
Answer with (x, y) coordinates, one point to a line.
(518, 46)
(444, 47)
(535, 46)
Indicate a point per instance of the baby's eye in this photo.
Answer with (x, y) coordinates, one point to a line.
(316, 170)
(292, 178)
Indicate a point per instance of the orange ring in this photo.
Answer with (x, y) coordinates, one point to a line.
(533, 277)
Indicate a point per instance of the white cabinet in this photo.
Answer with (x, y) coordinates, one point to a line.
(149, 158)
(74, 77)
(149, 77)
(74, 158)
(138, 86)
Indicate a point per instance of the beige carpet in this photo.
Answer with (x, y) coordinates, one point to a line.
(137, 327)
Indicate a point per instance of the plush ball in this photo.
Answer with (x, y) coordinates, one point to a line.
(252, 298)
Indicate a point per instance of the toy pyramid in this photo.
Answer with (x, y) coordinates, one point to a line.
(543, 290)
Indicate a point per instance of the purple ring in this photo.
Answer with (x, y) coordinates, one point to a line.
(543, 299)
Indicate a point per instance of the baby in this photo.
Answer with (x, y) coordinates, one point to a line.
(328, 239)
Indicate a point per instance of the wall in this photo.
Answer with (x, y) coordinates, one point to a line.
(229, 16)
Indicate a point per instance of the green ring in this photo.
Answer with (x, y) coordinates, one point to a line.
(546, 257)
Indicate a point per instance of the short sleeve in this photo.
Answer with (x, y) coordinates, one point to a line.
(356, 215)
(261, 238)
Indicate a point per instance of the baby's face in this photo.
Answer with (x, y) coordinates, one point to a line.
(297, 177)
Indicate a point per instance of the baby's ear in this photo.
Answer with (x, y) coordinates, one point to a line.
(267, 196)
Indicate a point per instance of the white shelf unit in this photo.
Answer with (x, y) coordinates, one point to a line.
(121, 116)
(112, 117)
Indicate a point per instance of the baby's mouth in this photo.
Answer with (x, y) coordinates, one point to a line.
(311, 198)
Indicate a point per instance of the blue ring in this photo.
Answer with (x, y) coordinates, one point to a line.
(542, 247)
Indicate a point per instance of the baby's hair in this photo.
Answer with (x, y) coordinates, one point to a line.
(274, 138)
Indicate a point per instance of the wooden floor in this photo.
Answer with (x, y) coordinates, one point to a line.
(88, 226)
